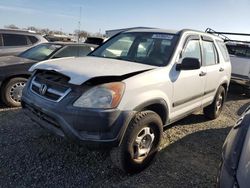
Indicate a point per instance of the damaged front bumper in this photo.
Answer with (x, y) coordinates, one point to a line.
(93, 127)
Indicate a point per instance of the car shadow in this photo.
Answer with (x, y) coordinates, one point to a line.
(236, 92)
(34, 157)
(189, 162)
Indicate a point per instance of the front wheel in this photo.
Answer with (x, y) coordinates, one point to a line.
(12, 91)
(140, 143)
(213, 110)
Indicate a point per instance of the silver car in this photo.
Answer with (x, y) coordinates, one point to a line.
(13, 42)
(235, 165)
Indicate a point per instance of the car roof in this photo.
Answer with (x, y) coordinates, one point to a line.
(152, 30)
(174, 32)
(71, 44)
(19, 31)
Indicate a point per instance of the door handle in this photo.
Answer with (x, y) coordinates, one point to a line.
(202, 73)
(221, 69)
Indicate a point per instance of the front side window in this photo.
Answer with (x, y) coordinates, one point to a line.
(40, 52)
(210, 57)
(192, 50)
(146, 48)
(14, 40)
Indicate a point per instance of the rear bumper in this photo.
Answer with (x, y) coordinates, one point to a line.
(93, 127)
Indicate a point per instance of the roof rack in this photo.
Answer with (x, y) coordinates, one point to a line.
(225, 38)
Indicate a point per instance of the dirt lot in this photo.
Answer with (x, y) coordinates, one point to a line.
(31, 157)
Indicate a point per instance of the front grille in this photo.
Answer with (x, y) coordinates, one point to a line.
(50, 86)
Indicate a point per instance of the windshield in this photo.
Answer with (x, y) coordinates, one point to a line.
(146, 48)
(40, 52)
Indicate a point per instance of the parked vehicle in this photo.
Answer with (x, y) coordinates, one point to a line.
(239, 56)
(94, 40)
(14, 69)
(13, 42)
(123, 93)
(240, 60)
(234, 169)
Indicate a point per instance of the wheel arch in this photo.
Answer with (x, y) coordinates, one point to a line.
(7, 78)
(159, 106)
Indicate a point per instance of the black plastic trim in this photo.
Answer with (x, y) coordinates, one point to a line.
(158, 101)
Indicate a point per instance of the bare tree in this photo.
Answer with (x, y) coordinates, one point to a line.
(11, 26)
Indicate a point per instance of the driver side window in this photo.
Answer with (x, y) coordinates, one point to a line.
(192, 50)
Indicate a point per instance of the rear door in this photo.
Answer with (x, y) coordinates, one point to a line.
(214, 69)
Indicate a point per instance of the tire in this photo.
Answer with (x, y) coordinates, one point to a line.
(11, 91)
(213, 110)
(145, 128)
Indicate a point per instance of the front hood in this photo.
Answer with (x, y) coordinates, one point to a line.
(12, 60)
(79, 70)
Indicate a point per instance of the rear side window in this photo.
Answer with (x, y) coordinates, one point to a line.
(210, 56)
(33, 39)
(14, 40)
(223, 50)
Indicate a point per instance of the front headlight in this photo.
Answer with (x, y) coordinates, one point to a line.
(103, 96)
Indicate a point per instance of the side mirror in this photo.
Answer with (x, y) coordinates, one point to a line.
(189, 63)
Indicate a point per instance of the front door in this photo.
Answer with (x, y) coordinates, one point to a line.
(189, 85)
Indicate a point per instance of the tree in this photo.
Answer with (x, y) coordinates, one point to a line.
(11, 26)
(82, 33)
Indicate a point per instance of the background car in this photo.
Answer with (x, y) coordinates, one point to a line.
(14, 69)
(235, 169)
(13, 42)
(94, 40)
(239, 51)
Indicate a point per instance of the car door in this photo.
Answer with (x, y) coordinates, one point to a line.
(188, 85)
(214, 69)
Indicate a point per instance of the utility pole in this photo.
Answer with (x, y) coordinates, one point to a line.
(79, 25)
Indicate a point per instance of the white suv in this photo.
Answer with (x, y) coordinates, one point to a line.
(14, 41)
(124, 93)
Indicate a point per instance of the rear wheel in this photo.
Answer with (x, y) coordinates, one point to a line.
(140, 143)
(213, 110)
(12, 91)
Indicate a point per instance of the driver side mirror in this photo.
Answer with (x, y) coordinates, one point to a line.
(189, 63)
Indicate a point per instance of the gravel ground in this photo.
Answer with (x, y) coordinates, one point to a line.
(190, 154)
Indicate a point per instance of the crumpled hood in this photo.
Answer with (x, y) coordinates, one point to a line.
(79, 70)
(13, 60)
